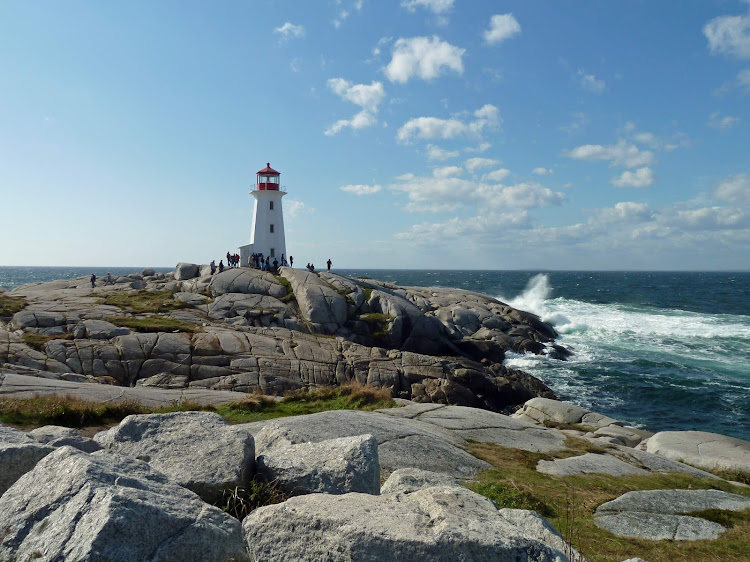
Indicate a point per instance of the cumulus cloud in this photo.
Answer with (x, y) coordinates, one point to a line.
(496, 175)
(486, 224)
(623, 154)
(368, 97)
(642, 177)
(361, 189)
(711, 218)
(729, 35)
(542, 171)
(448, 192)
(447, 171)
(437, 153)
(290, 31)
(474, 164)
(423, 57)
(294, 208)
(435, 6)
(486, 117)
(502, 27)
(722, 122)
(735, 189)
(361, 120)
(743, 79)
(590, 83)
(627, 212)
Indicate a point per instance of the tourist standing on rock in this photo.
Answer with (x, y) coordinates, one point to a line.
(93, 280)
(221, 266)
(213, 267)
(329, 262)
(275, 265)
(291, 261)
(109, 278)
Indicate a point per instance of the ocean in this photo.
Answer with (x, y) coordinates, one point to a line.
(657, 350)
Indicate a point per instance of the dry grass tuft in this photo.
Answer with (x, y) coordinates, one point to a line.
(10, 305)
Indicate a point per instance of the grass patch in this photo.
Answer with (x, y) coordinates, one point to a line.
(368, 293)
(73, 412)
(301, 402)
(239, 502)
(38, 341)
(735, 475)
(64, 410)
(10, 305)
(143, 301)
(514, 482)
(568, 425)
(283, 281)
(378, 323)
(154, 324)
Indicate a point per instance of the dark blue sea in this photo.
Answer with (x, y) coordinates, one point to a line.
(659, 350)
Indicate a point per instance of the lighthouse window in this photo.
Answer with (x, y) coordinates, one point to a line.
(271, 202)
(271, 228)
(273, 253)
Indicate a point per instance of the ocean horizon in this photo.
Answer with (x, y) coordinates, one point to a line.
(661, 350)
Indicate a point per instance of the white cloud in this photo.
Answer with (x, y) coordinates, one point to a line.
(367, 97)
(502, 27)
(642, 177)
(622, 154)
(483, 225)
(435, 6)
(711, 218)
(361, 120)
(590, 83)
(437, 153)
(542, 171)
(729, 35)
(743, 79)
(361, 189)
(447, 171)
(496, 175)
(626, 212)
(446, 193)
(487, 117)
(290, 31)
(294, 208)
(483, 146)
(722, 122)
(474, 164)
(423, 57)
(295, 64)
(735, 189)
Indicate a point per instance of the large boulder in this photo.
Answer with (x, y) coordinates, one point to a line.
(75, 506)
(709, 451)
(197, 450)
(185, 271)
(318, 302)
(333, 466)
(246, 281)
(56, 436)
(19, 453)
(435, 523)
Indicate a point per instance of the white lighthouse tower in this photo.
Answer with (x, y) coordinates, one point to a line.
(267, 236)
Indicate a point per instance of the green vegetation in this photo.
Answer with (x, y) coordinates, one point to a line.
(288, 286)
(378, 323)
(38, 341)
(73, 412)
(142, 301)
(569, 502)
(368, 293)
(154, 324)
(568, 425)
(239, 502)
(10, 305)
(64, 410)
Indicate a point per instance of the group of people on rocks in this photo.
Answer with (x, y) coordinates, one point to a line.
(258, 261)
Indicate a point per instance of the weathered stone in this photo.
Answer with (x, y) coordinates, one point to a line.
(110, 508)
(709, 451)
(437, 523)
(165, 380)
(194, 299)
(657, 514)
(544, 409)
(246, 281)
(408, 480)
(333, 466)
(589, 463)
(103, 330)
(185, 271)
(56, 436)
(318, 303)
(19, 453)
(197, 450)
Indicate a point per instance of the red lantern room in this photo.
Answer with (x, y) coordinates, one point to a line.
(268, 179)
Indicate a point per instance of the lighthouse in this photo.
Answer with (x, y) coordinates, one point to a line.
(267, 235)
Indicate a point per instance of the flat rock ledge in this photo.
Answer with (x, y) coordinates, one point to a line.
(659, 514)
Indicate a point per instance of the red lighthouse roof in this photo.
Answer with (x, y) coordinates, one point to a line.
(268, 171)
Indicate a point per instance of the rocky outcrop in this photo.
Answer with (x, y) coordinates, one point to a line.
(56, 436)
(19, 453)
(433, 523)
(109, 507)
(197, 450)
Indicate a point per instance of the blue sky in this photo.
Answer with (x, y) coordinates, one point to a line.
(445, 134)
